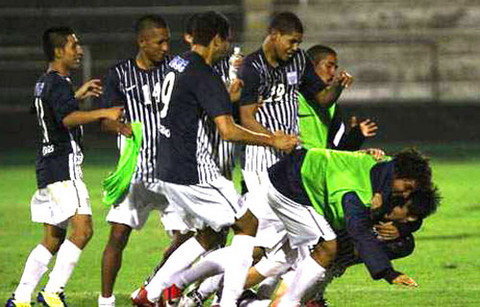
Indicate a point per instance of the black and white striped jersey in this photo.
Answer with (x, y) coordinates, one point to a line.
(224, 155)
(193, 94)
(139, 91)
(59, 155)
(278, 87)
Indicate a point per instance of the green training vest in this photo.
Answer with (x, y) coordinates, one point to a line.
(328, 174)
(313, 131)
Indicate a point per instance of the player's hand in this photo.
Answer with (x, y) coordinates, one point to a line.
(113, 113)
(343, 78)
(237, 62)
(376, 153)
(405, 280)
(387, 231)
(235, 90)
(284, 142)
(125, 129)
(368, 128)
(88, 89)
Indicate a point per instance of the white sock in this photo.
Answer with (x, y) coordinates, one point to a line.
(210, 285)
(106, 301)
(307, 274)
(180, 259)
(35, 267)
(237, 269)
(67, 259)
(212, 264)
(255, 303)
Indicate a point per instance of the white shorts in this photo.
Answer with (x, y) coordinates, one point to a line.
(134, 210)
(172, 220)
(59, 201)
(304, 225)
(278, 260)
(215, 204)
(270, 228)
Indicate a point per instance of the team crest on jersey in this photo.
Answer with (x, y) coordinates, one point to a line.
(292, 78)
(178, 64)
(39, 89)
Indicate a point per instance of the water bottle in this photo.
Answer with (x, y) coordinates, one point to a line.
(232, 71)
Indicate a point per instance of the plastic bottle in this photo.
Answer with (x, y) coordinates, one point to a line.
(232, 71)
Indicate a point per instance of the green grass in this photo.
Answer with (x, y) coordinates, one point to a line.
(446, 262)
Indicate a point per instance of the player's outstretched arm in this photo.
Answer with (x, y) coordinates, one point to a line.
(90, 88)
(248, 120)
(116, 127)
(229, 131)
(84, 117)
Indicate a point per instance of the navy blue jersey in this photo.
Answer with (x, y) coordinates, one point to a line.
(193, 95)
(138, 91)
(278, 87)
(59, 156)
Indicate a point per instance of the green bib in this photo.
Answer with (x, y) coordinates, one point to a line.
(327, 175)
(313, 131)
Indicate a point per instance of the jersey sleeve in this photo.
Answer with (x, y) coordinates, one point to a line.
(62, 99)
(212, 95)
(311, 83)
(251, 82)
(112, 95)
(359, 227)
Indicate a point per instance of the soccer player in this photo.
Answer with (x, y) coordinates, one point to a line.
(196, 104)
(135, 84)
(275, 73)
(322, 127)
(61, 198)
(317, 189)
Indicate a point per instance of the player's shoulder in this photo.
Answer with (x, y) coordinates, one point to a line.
(252, 58)
(122, 64)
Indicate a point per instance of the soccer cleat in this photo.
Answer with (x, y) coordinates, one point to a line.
(11, 302)
(317, 303)
(192, 299)
(139, 298)
(172, 295)
(51, 299)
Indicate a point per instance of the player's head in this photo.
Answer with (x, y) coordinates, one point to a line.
(61, 44)
(420, 204)
(412, 172)
(153, 37)
(188, 29)
(285, 32)
(325, 61)
(212, 29)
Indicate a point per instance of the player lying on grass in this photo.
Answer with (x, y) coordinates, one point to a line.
(61, 198)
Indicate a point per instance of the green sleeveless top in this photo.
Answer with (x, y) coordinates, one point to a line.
(327, 175)
(313, 129)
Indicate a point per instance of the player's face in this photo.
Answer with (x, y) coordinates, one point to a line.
(221, 48)
(326, 68)
(286, 45)
(155, 43)
(400, 214)
(72, 53)
(403, 187)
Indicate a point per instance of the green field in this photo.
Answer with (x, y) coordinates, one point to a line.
(446, 262)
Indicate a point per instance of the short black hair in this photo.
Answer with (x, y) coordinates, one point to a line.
(188, 26)
(208, 25)
(150, 22)
(55, 37)
(424, 202)
(412, 164)
(319, 52)
(286, 22)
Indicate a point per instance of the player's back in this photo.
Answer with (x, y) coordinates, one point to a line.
(192, 94)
